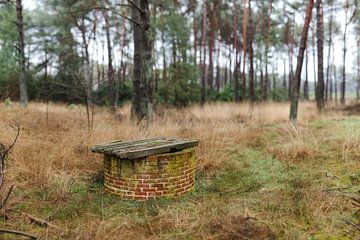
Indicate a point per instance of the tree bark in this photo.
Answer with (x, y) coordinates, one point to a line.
(306, 83)
(358, 68)
(141, 108)
(164, 74)
(328, 81)
(203, 77)
(264, 86)
(251, 56)
(21, 52)
(245, 51)
(320, 101)
(297, 82)
(111, 74)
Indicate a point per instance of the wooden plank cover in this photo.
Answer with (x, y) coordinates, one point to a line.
(144, 147)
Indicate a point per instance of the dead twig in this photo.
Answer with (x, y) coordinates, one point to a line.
(353, 225)
(7, 197)
(41, 222)
(3, 154)
(19, 233)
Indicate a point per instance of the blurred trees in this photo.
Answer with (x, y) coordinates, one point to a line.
(173, 52)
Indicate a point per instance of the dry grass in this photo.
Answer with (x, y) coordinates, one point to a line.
(52, 170)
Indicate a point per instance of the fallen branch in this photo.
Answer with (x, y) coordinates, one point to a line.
(7, 197)
(353, 225)
(41, 222)
(19, 233)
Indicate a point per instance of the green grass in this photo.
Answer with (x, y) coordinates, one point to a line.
(303, 200)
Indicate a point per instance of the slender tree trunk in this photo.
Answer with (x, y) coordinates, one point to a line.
(284, 80)
(141, 108)
(203, 77)
(195, 37)
(297, 82)
(335, 78)
(21, 53)
(314, 60)
(264, 87)
(343, 83)
(320, 101)
(358, 67)
(236, 48)
(251, 56)
(306, 83)
(218, 69)
(164, 74)
(328, 83)
(111, 73)
(123, 45)
(243, 95)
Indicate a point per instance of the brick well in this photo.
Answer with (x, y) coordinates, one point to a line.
(161, 175)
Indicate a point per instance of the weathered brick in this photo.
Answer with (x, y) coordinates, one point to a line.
(160, 175)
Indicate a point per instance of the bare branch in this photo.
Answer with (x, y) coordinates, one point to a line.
(136, 6)
(7, 197)
(2, 230)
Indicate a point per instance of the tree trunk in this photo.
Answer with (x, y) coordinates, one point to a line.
(358, 68)
(195, 38)
(245, 51)
(264, 87)
(343, 83)
(335, 78)
(314, 59)
(251, 57)
(328, 81)
(306, 83)
(203, 77)
(141, 108)
(21, 52)
(297, 82)
(164, 74)
(111, 74)
(320, 102)
(218, 69)
(284, 80)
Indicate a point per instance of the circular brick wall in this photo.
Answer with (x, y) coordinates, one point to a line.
(170, 174)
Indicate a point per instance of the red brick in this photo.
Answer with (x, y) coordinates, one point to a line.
(158, 185)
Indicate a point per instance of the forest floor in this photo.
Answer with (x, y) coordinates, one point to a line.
(258, 176)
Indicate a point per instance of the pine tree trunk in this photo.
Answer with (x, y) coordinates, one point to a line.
(21, 53)
(358, 68)
(328, 81)
(306, 83)
(203, 77)
(141, 108)
(195, 37)
(314, 60)
(111, 74)
(251, 57)
(335, 78)
(218, 69)
(320, 101)
(264, 87)
(243, 95)
(164, 74)
(297, 82)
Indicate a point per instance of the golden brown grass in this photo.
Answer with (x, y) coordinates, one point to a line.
(51, 163)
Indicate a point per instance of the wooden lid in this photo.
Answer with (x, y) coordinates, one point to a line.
(143, 148)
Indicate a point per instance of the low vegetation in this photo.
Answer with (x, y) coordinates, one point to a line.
(258, 176)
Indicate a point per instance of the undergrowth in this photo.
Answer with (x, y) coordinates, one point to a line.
(258, 176)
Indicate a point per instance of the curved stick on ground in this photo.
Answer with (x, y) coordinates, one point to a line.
(3, 154)
(19, 233)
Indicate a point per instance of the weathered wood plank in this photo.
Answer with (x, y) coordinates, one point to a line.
(122, 143)
(143, 148)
